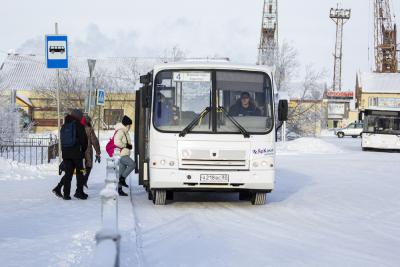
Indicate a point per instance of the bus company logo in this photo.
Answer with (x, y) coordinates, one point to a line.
(263, 151)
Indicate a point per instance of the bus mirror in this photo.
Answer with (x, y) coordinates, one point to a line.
(145, 79)
(283, 110)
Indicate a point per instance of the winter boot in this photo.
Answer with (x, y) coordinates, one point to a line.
(80, 195)
(122, 182)
(122, 193)
(57, 191)
(67, 198)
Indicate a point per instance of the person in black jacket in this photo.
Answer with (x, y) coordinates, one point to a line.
(244, 107)
(73, 159)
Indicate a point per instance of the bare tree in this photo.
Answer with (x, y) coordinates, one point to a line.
(173, 54)
(286, 66)
(307, 115)
(72, 91)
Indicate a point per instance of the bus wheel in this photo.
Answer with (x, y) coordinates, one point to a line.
(244, 195)
(258, 198)
(150, 194)
(159, 197)
(354, 136)
(340, 134)
(170, 195)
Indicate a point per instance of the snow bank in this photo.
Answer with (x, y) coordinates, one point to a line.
(12, 170)
(306, 145)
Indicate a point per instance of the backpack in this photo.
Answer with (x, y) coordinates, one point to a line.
(68, 135)
(110, 147)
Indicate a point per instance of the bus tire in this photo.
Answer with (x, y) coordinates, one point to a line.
(149, 194)
(159, 197)
(170, 195)
(259, 198)
(244, 195)
(354, 136)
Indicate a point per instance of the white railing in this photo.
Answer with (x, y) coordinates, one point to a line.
(108, 238)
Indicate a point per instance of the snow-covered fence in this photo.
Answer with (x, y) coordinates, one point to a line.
(108, 238)
(33, 151)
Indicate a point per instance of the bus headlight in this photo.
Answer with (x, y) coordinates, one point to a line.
(162, 162)
(264, 163)
(171, 163)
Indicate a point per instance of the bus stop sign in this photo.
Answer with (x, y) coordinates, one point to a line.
(101, 97)
(57, 51)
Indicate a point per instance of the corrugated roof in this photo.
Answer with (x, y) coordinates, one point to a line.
(28, 72)
(379, 82)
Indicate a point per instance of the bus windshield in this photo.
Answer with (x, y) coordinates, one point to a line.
(382, 124)
(240, 100)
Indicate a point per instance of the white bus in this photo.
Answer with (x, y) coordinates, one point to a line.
(381, 129)
(206, 127)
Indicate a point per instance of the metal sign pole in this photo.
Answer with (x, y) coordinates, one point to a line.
(98, 121)
(58, 107)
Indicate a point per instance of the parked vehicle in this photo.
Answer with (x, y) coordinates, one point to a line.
(353, 129)
(381, 129)
(193, 135)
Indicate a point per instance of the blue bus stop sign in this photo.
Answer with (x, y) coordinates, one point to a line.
(101, 97)
(57, 51)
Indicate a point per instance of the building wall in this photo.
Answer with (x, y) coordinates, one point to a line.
(366, 97)
(44, 110)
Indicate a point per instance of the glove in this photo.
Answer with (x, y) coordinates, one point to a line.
(129, 146)
(98, 159)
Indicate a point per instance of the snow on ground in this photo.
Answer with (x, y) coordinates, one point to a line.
(307, 145)
(328, 209)
(38, 229)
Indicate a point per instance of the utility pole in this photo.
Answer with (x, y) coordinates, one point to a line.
(90, 84)
(58, 107)
(340, 17)
(268, 47)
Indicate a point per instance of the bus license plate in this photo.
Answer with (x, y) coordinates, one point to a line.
(214, 178)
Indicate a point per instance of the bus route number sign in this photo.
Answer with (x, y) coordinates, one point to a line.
(192, 76)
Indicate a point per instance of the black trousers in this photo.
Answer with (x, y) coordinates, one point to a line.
(70, 166)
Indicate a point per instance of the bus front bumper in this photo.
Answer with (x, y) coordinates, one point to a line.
(190, 179)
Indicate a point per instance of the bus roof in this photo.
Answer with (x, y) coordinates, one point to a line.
(383, 108)
(212, 65)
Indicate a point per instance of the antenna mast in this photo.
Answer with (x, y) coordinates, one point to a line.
(267, 50)
(385, 38)
(340, 17)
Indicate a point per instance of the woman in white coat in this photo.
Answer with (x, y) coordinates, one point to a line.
(123, 141)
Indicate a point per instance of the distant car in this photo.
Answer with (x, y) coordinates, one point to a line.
(353, 129)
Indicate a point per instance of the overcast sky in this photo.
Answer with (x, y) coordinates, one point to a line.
(226, 28)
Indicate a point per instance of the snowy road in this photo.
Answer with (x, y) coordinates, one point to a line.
(327, 210)
(338, 208)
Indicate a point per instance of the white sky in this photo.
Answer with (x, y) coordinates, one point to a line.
(202, 28)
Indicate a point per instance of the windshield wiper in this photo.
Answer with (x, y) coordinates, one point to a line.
(194, 122)
(235, 122)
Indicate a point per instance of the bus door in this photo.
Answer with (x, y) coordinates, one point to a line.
(142, 126)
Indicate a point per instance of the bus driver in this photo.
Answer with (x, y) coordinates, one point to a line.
(244, 107)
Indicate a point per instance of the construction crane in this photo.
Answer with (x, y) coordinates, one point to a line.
(340, 17)
(267, 50)
(385, 38)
